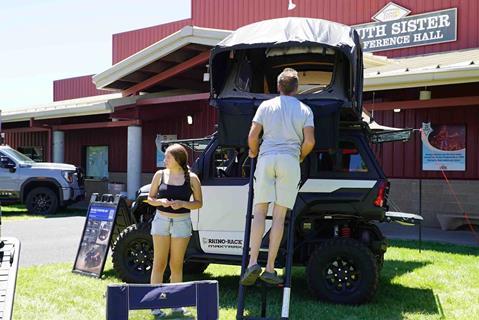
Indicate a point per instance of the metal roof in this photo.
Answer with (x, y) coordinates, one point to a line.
(66, 108)
(425, 70)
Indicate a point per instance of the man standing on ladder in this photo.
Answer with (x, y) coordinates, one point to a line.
(288, 137)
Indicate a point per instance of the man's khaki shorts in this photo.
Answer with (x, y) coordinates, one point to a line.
(277, 179)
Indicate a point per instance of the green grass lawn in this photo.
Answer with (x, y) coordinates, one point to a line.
(20, 212)
(442, 282)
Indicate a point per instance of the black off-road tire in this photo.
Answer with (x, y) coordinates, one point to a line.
(342, 271)
(133, 256)
(380, 261)
(42, 200)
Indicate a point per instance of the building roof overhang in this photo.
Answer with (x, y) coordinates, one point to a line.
(443, 68)
(61, 109)
(188, 44)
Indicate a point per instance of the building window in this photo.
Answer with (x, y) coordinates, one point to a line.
(97, 162)
(35, 153)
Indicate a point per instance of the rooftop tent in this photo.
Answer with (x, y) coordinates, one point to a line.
(245, 65)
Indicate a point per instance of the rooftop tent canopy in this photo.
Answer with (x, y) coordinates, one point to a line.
(245, 65)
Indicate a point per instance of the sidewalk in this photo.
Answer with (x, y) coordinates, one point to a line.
(397, 231)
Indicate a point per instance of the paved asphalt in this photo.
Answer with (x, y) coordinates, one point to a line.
(44, 241)
(54, 240)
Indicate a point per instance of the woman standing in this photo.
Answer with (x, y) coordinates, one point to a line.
(170, 192)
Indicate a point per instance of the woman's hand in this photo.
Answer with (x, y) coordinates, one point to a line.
(159, 202)
(177, 204)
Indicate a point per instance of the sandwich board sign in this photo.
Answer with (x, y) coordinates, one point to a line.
(100, 224)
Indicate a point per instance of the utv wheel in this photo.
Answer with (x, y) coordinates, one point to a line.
(342, 271)
(42, 200)
(133, 254)
(380, 261)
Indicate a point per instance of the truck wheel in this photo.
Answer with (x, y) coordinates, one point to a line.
(342, 271)
(42, 200)
(133, 254)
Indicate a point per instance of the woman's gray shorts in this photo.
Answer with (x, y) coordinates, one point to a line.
(174, 227)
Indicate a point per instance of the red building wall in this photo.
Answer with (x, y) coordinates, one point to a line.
(29, 139)
(127, 43)
(73, 88)
(231, 14)
(403, 159)
(114, 138)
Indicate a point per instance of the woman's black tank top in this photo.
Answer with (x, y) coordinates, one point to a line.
(172, 192)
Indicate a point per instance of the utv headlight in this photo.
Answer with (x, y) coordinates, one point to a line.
(68, 176)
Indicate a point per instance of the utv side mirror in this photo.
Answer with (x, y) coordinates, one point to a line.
(6, 163)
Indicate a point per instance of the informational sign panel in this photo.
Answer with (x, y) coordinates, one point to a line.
(96, 237)
(160, 155)
(416, 30)
(443, 147)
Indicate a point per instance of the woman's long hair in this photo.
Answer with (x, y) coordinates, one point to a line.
(181, 157)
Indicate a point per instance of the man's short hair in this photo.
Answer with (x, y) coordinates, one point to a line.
(288, 81)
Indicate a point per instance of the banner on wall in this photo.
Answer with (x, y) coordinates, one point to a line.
(443, 147)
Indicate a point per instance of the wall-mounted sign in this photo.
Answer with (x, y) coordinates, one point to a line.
(443, 147)
(160, 155)
(391, 11)
(394, 29)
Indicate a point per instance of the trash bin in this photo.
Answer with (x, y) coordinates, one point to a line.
(116, 188)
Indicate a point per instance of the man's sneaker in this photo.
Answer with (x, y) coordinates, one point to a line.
(250, 275)
(158, 313)
(181, 312)
(271, 278)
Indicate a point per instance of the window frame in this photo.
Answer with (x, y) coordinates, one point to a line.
(314, 171)
(209, 178)
(33, 147)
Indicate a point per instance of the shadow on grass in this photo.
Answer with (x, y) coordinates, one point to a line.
(19, 211)
(435, 246)
(390, 302)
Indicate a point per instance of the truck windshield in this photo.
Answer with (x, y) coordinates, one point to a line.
(20, 157)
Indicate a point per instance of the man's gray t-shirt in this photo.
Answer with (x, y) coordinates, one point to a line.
(283, 119)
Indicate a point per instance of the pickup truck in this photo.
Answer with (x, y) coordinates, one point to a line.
(43, 187)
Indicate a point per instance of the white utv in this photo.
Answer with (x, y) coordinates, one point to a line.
(343, 188)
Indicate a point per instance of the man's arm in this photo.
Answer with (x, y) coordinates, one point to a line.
(253, 139)
(308, 142)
